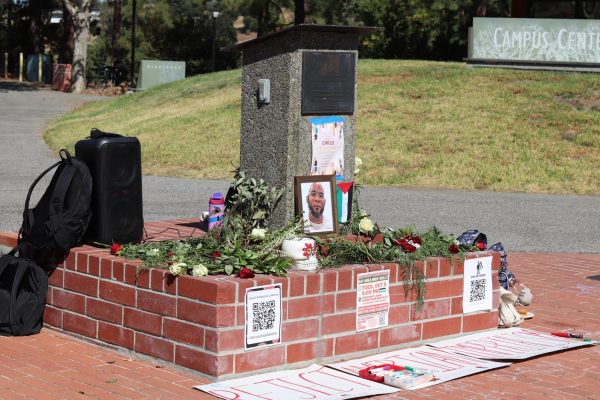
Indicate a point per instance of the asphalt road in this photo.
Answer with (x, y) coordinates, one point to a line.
(522, 222)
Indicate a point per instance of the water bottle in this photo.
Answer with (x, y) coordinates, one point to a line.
(216, 207)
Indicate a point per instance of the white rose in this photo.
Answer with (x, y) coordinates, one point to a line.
(199, 270)
(366, 225)
(258, 233)
(178, 268)
(153, 252)
(357, 163)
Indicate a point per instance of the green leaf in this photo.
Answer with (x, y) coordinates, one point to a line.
(259, 215)
(229, 269)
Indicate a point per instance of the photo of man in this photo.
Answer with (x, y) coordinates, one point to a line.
(317, 209)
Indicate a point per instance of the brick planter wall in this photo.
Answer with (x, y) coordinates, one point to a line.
(198, 322)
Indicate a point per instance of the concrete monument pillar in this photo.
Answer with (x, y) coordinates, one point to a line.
(289, 77)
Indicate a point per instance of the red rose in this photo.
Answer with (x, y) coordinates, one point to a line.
(480, 245)
(453, 248)
(408, 243)
(245, 273)
(115, 248)
(215, 254)
(170, 254)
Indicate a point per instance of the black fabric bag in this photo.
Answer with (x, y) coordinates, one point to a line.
(60, 219)
(23, 289)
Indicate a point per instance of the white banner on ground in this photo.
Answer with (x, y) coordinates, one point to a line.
(315, 382)
(446, 366)
(508, 344)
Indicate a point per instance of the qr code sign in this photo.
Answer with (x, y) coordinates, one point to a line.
(263, 315)
(477, 290)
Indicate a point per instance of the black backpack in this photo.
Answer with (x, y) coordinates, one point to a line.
(23, 289)
(59, 220)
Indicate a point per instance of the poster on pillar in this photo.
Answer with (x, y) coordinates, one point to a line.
(327, 137)
(477, 286)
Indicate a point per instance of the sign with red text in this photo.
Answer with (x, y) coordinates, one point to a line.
(445, 365)
(315, 382)
(508, 344)
(327, 137)
(372, 300)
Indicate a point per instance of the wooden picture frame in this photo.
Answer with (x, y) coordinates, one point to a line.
(319, 208)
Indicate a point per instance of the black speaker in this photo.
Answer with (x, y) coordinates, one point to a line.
(116, 167)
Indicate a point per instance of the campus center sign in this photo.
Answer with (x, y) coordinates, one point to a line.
(536, 40)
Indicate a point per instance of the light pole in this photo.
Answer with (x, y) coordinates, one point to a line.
(214, 10)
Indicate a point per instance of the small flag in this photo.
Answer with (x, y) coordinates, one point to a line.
(344, 200)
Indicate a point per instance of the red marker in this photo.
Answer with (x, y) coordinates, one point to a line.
(569, 335)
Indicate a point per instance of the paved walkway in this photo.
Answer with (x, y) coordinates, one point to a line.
(52, 366)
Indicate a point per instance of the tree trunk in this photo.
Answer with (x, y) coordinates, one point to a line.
(66, 56)
(35, 26)
(116, 32)
(80, 11)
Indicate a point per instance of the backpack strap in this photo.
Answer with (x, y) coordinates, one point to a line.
(96, 133)
(57, 201)
(16, 327)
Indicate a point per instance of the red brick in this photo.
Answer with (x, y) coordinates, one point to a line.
(157, 303)
(118, 269)
(444, 288)
(117, 293)
(143, 278)
(205, 314)
(154, 346)
(300, 329)
(142, 321)
(313, 283)
(171, 284)
(68, 301)
(309, 350)
(53, 316)
(94, 265)
(457, 306)
(80, 324)
(345, 280)
(209, 364)
(356, 342)
(71, 261)
(183, 332)
(431, 309)
(304, 307)
(259, 359)
(131, 271)
(393, 268)
(445, 267)
(338, 323)
(296, 284)
(400, 334)
(442, 327)
(374, 267)
(458, 268)
(220, 340)
(105, 311)
(207, 289)
(479, 322)
(80, 283)
(327, 303)
(329, 281)
(106, 268)
(398, 294)
(116, 335)
(399, 314)
(345, 301)
(157, 279)
(55, 278)
(432, 268)
(285, 285)
(243, 285)
(82, 262)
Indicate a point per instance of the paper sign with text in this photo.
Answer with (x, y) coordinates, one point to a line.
(508, 344)
(477, 288)
(263, 315)
(327, 134)
(444, 365)
(372, 300)
(315, 382)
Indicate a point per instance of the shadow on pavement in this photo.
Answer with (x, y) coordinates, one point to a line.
(6, 85)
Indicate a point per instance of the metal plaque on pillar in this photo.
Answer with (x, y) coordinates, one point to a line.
(328, 79)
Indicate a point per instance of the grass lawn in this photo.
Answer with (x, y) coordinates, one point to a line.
(419, 124)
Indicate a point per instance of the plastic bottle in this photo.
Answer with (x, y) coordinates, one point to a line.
(216, 207)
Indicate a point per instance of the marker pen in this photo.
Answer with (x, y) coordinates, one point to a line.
(568, 335)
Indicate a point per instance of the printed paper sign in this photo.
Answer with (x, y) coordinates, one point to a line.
(508, 344)
(372, 300)
(263, 315)
(477, 292)
(327, 137)
(315, 382)
(444, 365)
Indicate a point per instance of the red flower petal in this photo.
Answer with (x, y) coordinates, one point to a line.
(215, 254)
(115, 248)
(246, 273)
(453, 248)
(480, 245)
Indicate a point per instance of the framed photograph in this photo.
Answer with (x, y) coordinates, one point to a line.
(316, 203)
